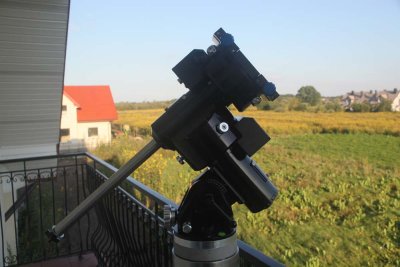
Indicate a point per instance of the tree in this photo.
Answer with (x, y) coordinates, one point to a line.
(384, 105)
(308, 94)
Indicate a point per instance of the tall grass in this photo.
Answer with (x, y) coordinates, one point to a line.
(291, 122)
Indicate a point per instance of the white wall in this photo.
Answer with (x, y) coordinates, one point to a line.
(79, 131)
(396, 103)
(103, 129)
(69, 119)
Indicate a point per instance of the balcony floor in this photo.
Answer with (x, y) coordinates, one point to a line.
(87, 260)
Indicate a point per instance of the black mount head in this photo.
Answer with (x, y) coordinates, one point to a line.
(235, 79)
(200, 127)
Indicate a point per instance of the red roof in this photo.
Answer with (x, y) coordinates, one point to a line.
(94, 102)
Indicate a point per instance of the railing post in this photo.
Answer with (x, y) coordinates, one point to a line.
(53, 202)
(41, 213)
(78, 201)
(14, 216)
(2, 236)
(27, 207)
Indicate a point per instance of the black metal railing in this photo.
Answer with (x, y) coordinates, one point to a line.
(125, 228)
(37, 193)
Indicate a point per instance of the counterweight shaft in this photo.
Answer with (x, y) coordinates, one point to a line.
(56, 232)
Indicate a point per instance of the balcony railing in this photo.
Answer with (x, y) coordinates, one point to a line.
(125, 228)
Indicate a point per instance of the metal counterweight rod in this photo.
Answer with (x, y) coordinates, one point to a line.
(104, 188)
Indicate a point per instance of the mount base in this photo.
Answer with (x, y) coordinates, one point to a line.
(219, 253)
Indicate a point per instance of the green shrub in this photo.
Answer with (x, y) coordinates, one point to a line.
(361, 107)
(302, 107)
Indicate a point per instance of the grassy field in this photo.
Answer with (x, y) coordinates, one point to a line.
(292, 122)
(339, 201)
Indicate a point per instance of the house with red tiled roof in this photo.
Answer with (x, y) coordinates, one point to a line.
(87, 113)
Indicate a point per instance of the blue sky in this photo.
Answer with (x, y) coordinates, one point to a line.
(337, 46)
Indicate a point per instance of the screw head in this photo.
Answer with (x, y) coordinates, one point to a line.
(180, 159)
(256, 101)
(223, 127)
(186, 227)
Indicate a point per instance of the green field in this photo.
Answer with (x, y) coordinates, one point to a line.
(339, 201)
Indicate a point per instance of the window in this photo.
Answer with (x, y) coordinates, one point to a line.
(92, 132)
(64, 132)
(64, 108)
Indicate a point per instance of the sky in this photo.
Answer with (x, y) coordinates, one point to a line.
(336, 46)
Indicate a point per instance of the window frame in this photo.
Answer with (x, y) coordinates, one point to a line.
(65, 130)
(95, 133)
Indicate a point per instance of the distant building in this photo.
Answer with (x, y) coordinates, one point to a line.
(87, 112)
(372, 97)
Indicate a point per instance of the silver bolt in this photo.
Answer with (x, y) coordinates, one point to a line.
(187, 227)
(223, 127)
(211, 50)
(256, 101)
(180, 159)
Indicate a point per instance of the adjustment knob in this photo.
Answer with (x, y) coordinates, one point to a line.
(169, 216)
(269, 90)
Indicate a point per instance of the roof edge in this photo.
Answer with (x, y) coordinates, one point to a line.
(72, 99)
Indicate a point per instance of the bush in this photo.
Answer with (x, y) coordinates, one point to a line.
(267, 106)
(361, 107)
(302, 107)
(333, 106)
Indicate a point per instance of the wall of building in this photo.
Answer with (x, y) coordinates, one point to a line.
(103, 133)
(396, 103)
(32, 50)
(69, 119)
